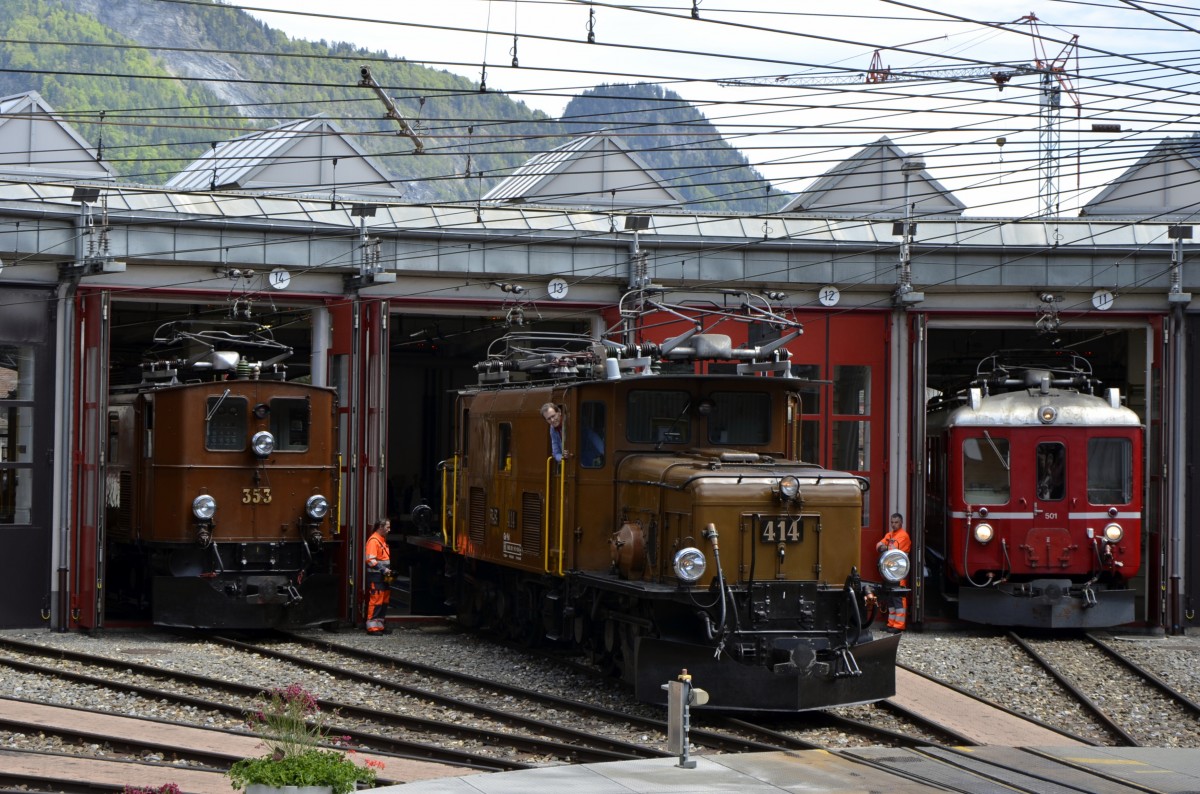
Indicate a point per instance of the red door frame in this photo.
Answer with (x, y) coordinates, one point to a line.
(862, 338)
(359, 351)
(88, 441)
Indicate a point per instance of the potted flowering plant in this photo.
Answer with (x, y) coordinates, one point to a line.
(292, 726)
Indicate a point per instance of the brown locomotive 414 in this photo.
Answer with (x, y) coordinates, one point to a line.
(678, 532)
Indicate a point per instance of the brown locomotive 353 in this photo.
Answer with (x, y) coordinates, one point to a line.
(678, 532)
(221, 498)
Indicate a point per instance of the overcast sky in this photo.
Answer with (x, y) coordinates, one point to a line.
(1135, 69)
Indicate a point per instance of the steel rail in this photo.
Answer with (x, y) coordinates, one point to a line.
(126, 744)
(1152, 678)
(1067, 684)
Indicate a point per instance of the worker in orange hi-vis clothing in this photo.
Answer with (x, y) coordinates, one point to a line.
(896, 538)
(379, 578)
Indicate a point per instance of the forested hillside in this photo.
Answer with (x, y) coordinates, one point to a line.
(156, 83)
(675, 139)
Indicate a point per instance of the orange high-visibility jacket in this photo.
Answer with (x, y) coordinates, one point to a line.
(377, 551)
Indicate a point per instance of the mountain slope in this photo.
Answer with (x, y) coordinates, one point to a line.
(678, 142)
(156, 82)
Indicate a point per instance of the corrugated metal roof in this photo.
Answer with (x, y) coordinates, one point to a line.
(858, 201)
(229, 163)
(524, 181)
(82, 164)
(1140, 191)
(529, 181)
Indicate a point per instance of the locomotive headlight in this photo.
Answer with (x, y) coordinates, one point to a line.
(690, 564)
(263, 443)
(789, 487)
(204, 506)
(1113, 533)
(984, 532)
(1047, 413)
(893, 565)
(316, 506)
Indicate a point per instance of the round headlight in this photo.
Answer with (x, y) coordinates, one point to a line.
(1113, 533)
(263, 443)
(1047, 413)
(690, 564)
(984, 533)
(204, 506)
(789, 487)
(316, 506)
(893, 565)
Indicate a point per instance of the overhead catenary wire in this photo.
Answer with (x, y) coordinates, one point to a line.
(800, 177)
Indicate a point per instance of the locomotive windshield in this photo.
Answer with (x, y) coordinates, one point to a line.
(739, 418)
(985, 471)
(733, 417)
(1051, 471)
(226, 425)
(659, 417)
(1110, 471)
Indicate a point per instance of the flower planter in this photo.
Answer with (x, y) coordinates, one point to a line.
(293, 729)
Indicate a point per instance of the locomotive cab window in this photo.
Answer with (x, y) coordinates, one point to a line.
(225, 428)
(985, 470)
(289, 424)
(739, 418)
(1051, 471)
(1110, 471)
(591, 435)
(659, 417)
(504, 447)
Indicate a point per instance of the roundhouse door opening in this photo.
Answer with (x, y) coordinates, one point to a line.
(27, 420)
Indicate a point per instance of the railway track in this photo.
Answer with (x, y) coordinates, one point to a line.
(1090, 670)
(492, 749)
(438, 709)
(709, 733)
(815, 730)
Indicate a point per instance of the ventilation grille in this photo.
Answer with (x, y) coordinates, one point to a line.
(531, 524)
(476, 528)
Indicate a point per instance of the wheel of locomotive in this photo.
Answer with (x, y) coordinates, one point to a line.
(468, 604)
(618, 648)
(525, 625)
(497, 607)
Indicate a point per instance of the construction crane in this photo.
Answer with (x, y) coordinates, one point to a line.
(1052, 72)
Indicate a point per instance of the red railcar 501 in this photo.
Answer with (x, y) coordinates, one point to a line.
(1035, 495)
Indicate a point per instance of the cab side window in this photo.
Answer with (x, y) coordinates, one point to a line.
(289, 423)
(592, 432)
(504, 447)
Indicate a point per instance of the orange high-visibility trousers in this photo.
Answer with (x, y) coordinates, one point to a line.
(379, 595)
